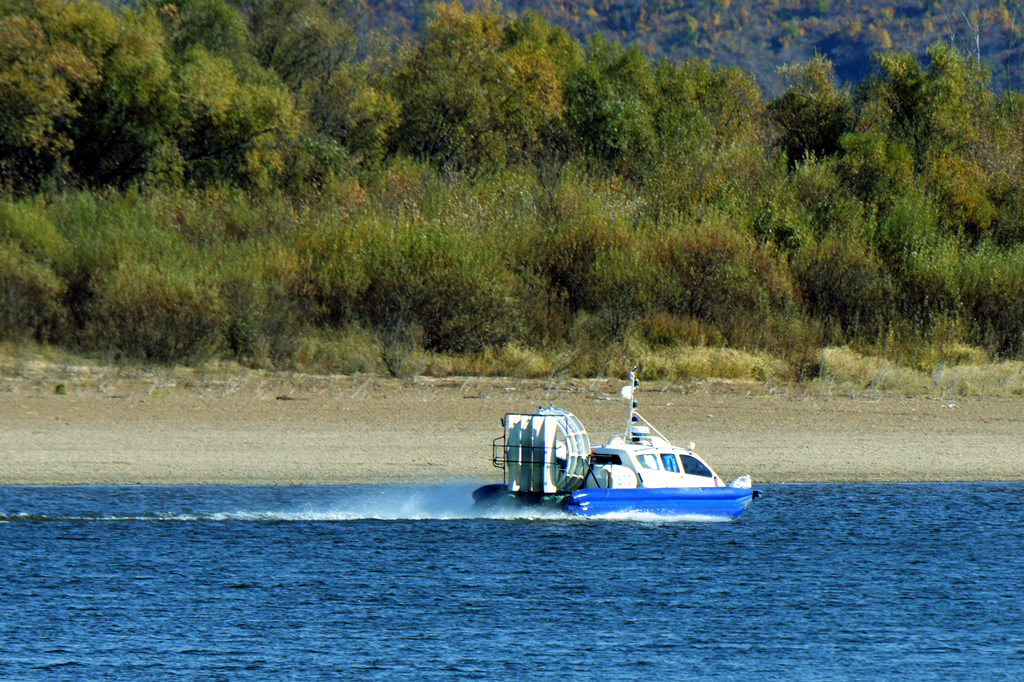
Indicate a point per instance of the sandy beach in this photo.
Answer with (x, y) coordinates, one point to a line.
(187, 427)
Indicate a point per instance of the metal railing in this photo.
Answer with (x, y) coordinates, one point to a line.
(499, 453)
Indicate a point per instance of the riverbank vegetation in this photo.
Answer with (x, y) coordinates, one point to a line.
(254, 183)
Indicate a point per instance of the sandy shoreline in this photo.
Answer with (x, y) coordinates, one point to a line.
(253, 429)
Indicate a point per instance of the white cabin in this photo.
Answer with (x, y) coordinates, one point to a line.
(641, 459)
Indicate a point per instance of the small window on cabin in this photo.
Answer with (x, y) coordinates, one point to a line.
(695, 467)
(669, 462)
(648, 461)
(606, 459)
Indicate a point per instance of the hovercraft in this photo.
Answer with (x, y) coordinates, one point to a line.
(547, 460)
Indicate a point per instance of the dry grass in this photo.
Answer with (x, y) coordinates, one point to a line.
(512, 360)
(356, 353)
(992, 379)
(846, 371)
(700, 362)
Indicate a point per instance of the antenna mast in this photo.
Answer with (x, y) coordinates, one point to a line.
(634, 384)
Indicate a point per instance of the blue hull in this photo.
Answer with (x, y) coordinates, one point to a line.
(725, 503)
(719, 503)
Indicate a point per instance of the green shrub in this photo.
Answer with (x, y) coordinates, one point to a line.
(27, 224)
(30, 289)
(218, 216)
(587, 222)
(142, 312)
(782, 222)
(719, 275)
(450, 285)
(929, 284)
(102, 231)
(841, 281)
(618, 288)
(331, 262)
(1008, 226)
(909, 226)
(261, 322)
(265, 314)
(992, 293)
(875, 168)
(960, 186)
(30, 295)
(816, 187)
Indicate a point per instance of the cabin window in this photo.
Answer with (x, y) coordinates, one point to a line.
(669, 462)
(695, 467)
(648, 461)
(605, 459)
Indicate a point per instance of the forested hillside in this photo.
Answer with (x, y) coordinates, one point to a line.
(760, 36)
(260, 181)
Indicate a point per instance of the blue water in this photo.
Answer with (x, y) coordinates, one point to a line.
(815, 581)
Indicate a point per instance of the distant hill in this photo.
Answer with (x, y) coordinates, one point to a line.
(759, 36)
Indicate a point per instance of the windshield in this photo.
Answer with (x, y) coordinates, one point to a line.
(695, 467)
(648, 461)
(669, 462)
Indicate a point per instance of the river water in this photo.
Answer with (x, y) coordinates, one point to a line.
(814, 581)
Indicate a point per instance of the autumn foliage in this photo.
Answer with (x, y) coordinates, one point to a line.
(208, 178)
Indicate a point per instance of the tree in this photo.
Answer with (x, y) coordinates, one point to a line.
(214, 24)
(843, 282)
(125, 129)
(610, 107)
(43, 76)
(233, 127)
(939, 115)
(707, 122)
(313, 50)
(931, 109)
(476, 93)
(812, 114)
